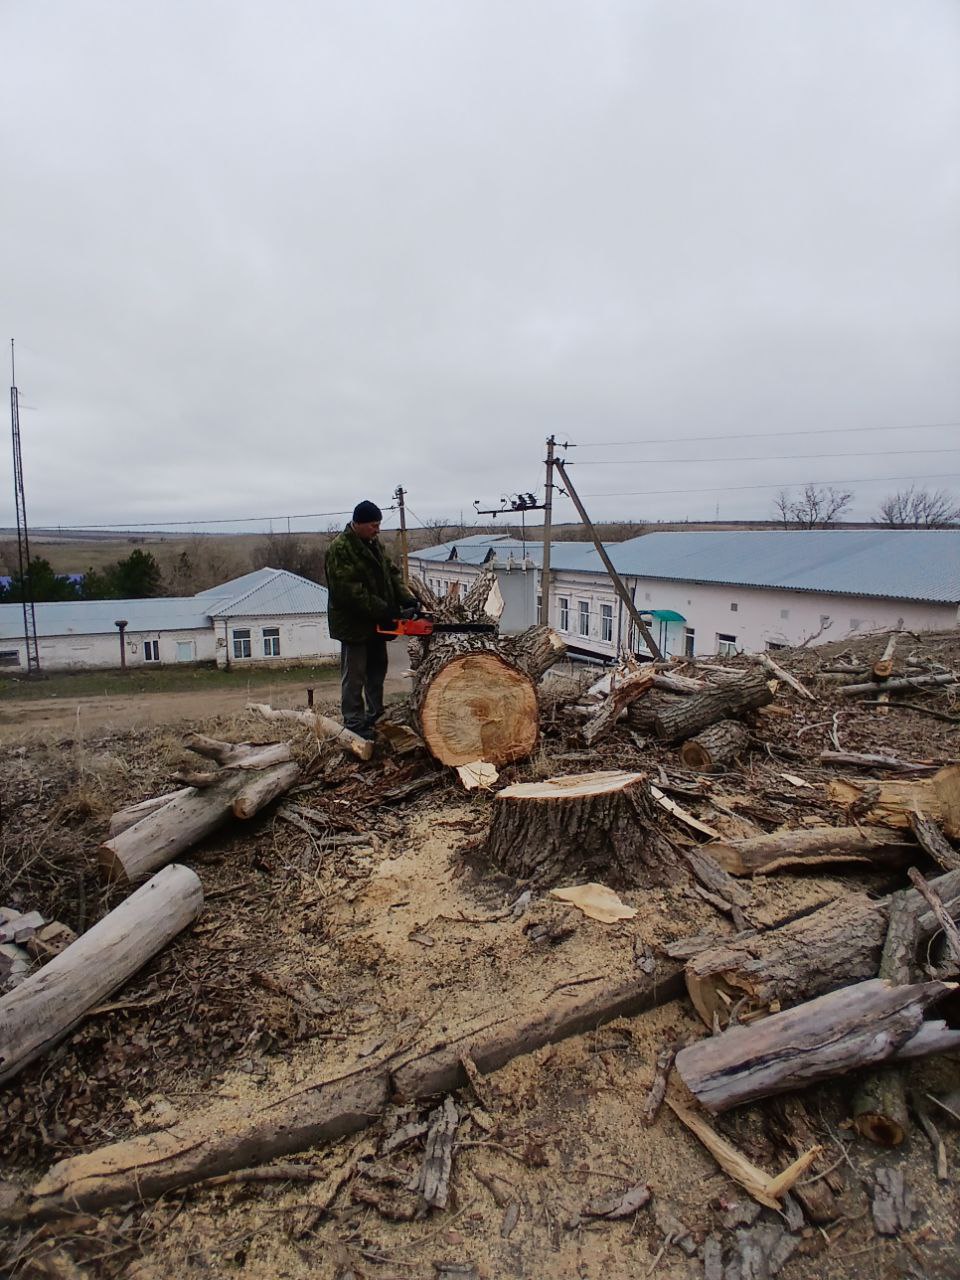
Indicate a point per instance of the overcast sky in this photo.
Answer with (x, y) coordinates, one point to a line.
(268, 259)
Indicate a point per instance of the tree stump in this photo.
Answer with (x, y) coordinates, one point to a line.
(586, 826)
(715, 745)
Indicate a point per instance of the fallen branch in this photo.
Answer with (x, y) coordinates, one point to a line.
(935, 902)
(322, 726)
(902, 682)
(806, 847)
(775, 669)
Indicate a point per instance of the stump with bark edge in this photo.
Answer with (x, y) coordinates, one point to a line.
(588, 826)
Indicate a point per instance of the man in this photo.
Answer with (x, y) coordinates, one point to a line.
(366, 591)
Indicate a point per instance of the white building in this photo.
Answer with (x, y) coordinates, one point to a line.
(707, 593)
(269, 617)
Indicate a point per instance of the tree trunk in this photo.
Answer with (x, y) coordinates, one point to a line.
(832, 947)
(38, 1013)
(938, 797)
(692, 714)
(475, 696)
(715, 745)
(853, 1027)
(642, 715)
(128, 817)
(902, 682)
(252, 1132)
(806, 847)
(582, 827)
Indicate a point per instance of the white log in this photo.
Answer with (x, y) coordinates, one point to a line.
(49, 1004)
(323, 727)
(778, 671)
(259, 791)
(128, 817)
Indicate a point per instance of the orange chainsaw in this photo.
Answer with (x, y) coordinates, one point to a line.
(427, 627)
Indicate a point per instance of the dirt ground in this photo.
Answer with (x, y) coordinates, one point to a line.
(388, 929)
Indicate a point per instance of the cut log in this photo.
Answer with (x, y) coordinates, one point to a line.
(587, 826)
(642, 714)
(883, 667)
(239, 755)
(872, 761)
(322, 726)
(938, 797)
(715, 745)
(696, 712)
(880, 1102)
(811, 847)
(475, 696)
(625, 692)
(902, 682)
(253, 1132)
(124, 818)
(933, 842)
(48, 1005)
(832, 947)
(831, 1035)
(259, 791)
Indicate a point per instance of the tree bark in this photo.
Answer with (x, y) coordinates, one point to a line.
(715, 745)
(266, 786)
(689, 716)
(581, 827)
(128, 817)
(475, 695)
(832, 947)
(45, 1007)
(806, 847)
(642, 715)
(622, 695)
(252, 1132)
(938, 797)
(833, 1034)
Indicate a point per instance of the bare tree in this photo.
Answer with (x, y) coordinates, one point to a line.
(817, 507)
(919, 509)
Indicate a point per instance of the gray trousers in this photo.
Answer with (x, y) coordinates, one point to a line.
(363, 669)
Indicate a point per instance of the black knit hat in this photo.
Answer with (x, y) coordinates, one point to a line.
(366, 512)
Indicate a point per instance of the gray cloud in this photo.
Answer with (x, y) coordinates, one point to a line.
(268, 259)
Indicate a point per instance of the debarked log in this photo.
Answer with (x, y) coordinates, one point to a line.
(811, 847)
(45, 1007)
(832, 947)
(580, 827)
(251, 1132)
(323, 726)
(853, 1027)
(937, 796)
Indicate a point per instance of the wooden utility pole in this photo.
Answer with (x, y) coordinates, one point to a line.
(615, 578)
(547, 531)
(404, 552)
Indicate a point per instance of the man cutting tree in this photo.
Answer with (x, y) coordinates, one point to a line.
(366, 592)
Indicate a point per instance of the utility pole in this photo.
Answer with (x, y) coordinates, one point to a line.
(547, 530)
(23, 539)
(404, 553)
(615, 578)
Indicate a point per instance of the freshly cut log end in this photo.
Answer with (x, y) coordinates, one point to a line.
(715, 746)
(479, 707)
(599, 826)
(884, 1130)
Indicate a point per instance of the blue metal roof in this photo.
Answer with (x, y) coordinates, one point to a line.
(277, 592)
(483, 548)
(898, 564)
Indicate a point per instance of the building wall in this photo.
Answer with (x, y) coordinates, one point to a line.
(300, 638)
(756, 622)
(101, 652)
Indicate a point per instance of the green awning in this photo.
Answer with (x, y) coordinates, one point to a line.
(667, 615)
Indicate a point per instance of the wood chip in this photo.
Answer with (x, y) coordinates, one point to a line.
(892, 1205)
(622, 1204)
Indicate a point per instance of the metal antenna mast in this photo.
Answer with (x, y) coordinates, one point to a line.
(23, 540)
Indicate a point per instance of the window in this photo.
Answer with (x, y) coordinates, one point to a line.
(9, 657)
(241, 644)
(726, 645)
(584, 608)
(773, 645)
(539, 606)
(185, 651)
(606, 622)
(784, 614)
(734, 608)
(563, 609)
(271, 642)
(151, 650)
(688, 642)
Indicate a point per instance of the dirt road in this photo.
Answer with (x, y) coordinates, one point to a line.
(33, 719)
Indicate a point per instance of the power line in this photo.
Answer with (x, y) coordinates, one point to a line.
(766, 457)
(725, 488)
(166, 524)
(766, 435)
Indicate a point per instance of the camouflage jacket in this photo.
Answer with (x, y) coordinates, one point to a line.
(365, 587)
